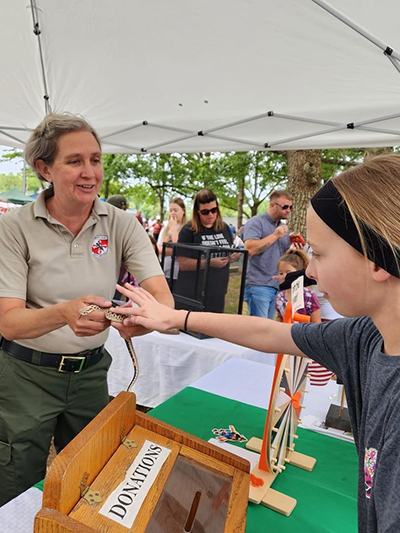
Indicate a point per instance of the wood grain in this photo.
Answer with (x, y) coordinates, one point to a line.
(88, 452)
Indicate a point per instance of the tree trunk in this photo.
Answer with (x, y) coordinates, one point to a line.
(240, 201)
(304, 180)
(106, 188)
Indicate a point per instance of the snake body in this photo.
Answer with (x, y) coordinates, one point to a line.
(114, 317)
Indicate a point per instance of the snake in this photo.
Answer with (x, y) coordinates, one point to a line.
(114, 317)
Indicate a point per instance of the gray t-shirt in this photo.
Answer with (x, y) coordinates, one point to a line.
(352, 348)
(262, 267)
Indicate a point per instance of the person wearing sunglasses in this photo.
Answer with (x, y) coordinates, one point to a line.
(266, 239)
(206, 227)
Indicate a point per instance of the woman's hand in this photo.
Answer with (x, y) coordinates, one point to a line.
(150, 314)
(219, 262)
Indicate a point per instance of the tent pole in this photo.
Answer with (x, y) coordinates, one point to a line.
(394, 62)
(354, 26)
(127, 146)
(11, 136)
(306, 136)
(377, 130)
(379, 119)
(37, 32)
(256, 146)
(309, 120)
(123, 130)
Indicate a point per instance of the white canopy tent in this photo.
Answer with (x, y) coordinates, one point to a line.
(201, 75)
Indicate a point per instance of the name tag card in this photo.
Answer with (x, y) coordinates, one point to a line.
(297, 289)
(124, 502)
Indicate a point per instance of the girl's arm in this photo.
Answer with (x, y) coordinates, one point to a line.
(316, 316)
(253, 332)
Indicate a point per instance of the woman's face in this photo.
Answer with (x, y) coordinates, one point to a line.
(176, 212)
(341, 272)
(77, 171)
(207, 217)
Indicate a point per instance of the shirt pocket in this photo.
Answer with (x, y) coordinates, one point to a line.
(5, 453)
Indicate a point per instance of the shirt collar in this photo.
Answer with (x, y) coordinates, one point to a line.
(270, 219)
(40, 209)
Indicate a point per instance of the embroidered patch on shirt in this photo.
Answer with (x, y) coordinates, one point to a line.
(100, 245)
(370, 458)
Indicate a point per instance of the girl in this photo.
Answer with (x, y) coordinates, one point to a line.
(291, 261)
(354, 232)
(177, 219)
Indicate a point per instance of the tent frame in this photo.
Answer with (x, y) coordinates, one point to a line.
(389, 52)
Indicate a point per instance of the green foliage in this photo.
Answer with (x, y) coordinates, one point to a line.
(335, 161)
(239, 179)
(9, 181)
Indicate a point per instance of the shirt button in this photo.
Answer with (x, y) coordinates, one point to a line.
(76, 245)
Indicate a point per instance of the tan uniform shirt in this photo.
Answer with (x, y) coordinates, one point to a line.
(42, 263)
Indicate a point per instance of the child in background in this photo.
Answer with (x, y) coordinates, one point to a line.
(291, 261)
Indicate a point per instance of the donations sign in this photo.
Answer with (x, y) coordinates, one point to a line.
(124, 502)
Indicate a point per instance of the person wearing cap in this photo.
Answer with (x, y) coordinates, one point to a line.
(60, 256)
(118, 200)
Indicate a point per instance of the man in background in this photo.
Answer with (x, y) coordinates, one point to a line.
(266, 239)
(118, 201)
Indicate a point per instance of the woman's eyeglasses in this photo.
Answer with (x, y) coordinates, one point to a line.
(206, 212)
(284, 207)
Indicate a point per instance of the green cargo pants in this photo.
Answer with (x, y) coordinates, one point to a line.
(37, 403)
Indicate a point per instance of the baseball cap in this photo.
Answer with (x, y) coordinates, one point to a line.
(118, 201)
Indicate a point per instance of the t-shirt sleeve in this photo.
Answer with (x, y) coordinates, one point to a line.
(332, 344)
(186, 236)
(253, 229)
(13, 260)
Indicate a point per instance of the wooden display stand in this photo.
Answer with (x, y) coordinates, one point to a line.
(277, 446)
(199, 488)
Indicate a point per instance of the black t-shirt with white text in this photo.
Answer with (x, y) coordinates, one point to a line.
(218, 277)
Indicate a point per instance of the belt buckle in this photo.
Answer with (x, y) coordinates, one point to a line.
(80, 358)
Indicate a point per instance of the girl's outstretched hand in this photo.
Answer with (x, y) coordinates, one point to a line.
(149, 313)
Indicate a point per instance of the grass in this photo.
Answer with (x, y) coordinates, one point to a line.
(232, 296)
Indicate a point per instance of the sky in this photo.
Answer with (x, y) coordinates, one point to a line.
(9, 166)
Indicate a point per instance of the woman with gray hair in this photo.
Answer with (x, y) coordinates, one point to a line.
(59, 255)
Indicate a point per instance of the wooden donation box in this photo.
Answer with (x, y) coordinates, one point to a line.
(127, 471)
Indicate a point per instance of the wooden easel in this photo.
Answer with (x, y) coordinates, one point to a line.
(277, 446)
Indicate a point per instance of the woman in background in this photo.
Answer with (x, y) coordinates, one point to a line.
(177, 219)
(205, 228)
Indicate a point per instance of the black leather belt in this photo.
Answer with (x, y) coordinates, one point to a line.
(69, 362)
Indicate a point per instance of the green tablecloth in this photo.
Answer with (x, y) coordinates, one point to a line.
(326, 497)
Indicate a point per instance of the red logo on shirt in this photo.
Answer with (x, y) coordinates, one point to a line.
(100, 245)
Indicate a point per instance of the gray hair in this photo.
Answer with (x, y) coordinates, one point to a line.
(43, 142)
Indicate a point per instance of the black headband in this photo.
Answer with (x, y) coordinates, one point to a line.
(330, 206)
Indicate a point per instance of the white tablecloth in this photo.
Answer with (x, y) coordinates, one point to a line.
(169, 363)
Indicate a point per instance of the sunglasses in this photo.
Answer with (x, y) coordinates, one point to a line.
(206, 212)
(284, 207)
